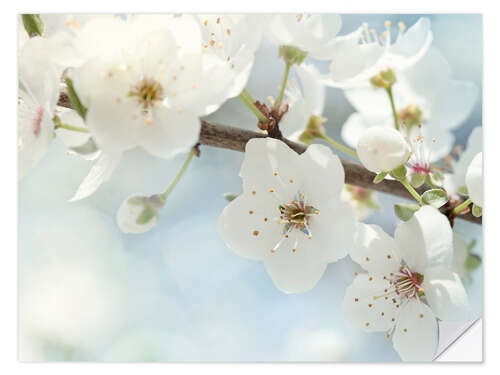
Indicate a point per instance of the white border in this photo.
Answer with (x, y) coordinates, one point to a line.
(8, 196)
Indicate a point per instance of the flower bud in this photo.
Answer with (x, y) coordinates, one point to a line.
(382, 149)
(474, 180)
(138, 213)
(292, 55)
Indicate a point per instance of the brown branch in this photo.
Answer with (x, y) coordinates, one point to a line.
(232, 138)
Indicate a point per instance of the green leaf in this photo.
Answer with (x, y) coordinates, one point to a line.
(435, 197)
(230, 196)
(405, 211)
(33, 24)
(472, 262)
(146, 215)
(463, 190)
(379, 177)
(399, 172)
(471, 245)
(417, 179)
(477, 211)
(436, 178)
(75, 100)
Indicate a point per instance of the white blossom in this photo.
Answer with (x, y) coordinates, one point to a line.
(290, 215)
(365, 54)
(382, 149)
(474, 180)
(38, 95)
(363, 201)
(408, 284)
(424, 94)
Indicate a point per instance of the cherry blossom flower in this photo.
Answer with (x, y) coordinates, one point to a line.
(363, 201)
(289, 215)
(303, 104)
(382, 149)
(474, 180)
(38, 95)
(379, 53)
(408, 284)
(424, 94)
(233, 39)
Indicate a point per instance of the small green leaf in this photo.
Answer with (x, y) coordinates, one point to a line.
(417, 179)
(477, 211)
(33, 24)
(399, 172)
(405, 211)
(463, 190)
(472, 262)
(379, 177)
(436, 178)
(146, 215)
(75, 100)
(230, 196)
(471, 245)
(435, 197)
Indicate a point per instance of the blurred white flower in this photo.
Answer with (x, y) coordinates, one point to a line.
(320, 345)
(290, 214)
(474, 180)
(408, 285)
(302, 104)
(424, 94)
(150, 91)
(364, 54)
(382, 149)
(363, 201)
(313, 34)
(455, 182)
(139, 213)
(38, 95)
(233, 39)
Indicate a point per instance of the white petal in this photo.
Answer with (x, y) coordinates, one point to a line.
(474, 180)
(460, 253)
(375, 250)
(437, 142)
(333, 231)
(170, 133)
(353, 128)
(271, 166)
(294, 272)
(372, 103)
(416, 335)
(365, 312)
(100, 172)
(425, 240)
(71, 138)
(249, 224)
(324, 174)
(295, 120)
(445, 294)
(453, 104)
(312, 88)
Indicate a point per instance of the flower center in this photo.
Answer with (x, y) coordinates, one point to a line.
(410, 116)
(297, 214)
(148, 93)
(406, 284)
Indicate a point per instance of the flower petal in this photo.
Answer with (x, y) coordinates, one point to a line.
(294, 271)
(445, 294)
(171, 133)
(375, 250)
(425, 240)
(416, 335)
(312, 88)
(249, 224)
(474, 180)
(365, 312)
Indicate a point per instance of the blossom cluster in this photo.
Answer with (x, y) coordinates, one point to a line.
(106, 84)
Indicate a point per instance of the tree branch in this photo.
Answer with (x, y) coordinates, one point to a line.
(232, 138)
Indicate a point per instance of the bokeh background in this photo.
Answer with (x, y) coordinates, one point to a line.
(88, 292)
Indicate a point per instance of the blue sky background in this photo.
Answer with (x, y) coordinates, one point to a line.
(177, 293)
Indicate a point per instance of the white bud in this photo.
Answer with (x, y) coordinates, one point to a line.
(138, 214)
(474, 180)
(382, 149)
